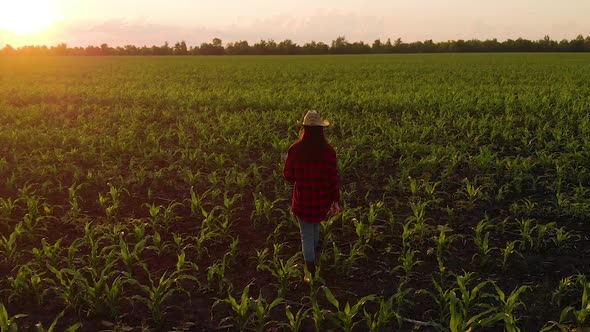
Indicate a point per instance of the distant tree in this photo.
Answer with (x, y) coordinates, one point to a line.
(60, 49)
(155, 50)
(378, 47)
(577, 45)
(339, 42)
(259, 47)
(339, 45)
(166, 49)
(415, 47)
(564, 45)
(130, 50)
(272, 47)
(194, 50)
(388, 46)
(523, 45)
(550, 44)
(490, 44)
(545, 42)
(32, 50)
(428, 46)
(89, 50)
(288, 47)
(358, 48)
(77, 51)
(8, 50)
(214, 48)
(180, 48)
(265, 47)
(314, 47)
(240, 47)
(398, 46)
(105, 49)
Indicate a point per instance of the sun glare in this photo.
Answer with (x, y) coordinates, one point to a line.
(23, 17)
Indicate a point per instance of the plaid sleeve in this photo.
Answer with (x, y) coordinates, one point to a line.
(334, 176)
(289, 168)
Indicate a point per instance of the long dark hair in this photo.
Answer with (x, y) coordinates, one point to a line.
(312, 143)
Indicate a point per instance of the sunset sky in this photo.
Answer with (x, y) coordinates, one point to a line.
(147, 22)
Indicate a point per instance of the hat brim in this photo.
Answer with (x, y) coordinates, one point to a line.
(324, 123)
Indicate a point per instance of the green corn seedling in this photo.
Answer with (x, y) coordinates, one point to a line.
(52, 328)
(48, 253)
(155, 214)
(504, 312)
(408, 262)
(242, 317)
(283, 271)
(111, 201)
(233, 250)
(158, 245)
(130, 257)
(7, 322)
(9, 245)
(7, 207)
(263, 208)
(542, 231)
(169, 215)
(295, 321)
(344, 317)
(216, 273)
(75, 209)
(527, 228)
(482, 240)
(579, 317)
(27, 283)
(442, 297)
(317, 313)
(356, 253)
(459, 321)
(379, 321)
(201, 241)
(443, 243)
(262, 310)
(181, 243)
(196, 201)
(66, 287)
(508, 251)
(564, 239)
(92, 289)
(158, 292)
(565, 286)
(407, 234)
(139, 231)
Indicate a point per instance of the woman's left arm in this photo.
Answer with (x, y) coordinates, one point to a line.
(334, 177)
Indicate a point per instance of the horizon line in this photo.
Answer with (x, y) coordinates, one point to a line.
(251, 43)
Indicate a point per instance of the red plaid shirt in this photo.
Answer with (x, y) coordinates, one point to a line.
(317, 183)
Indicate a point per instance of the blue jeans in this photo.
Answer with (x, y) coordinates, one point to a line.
(310, 238)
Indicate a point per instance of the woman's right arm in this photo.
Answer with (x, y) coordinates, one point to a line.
(289, 168)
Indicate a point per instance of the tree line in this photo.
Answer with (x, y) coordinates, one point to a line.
(338, 46)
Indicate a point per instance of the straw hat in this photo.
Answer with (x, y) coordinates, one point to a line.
(312, 118)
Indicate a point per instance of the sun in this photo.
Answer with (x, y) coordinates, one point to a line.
(24, 17)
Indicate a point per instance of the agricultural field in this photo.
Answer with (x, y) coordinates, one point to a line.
(146, 193)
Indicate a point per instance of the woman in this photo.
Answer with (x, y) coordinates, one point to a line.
(311, 166)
